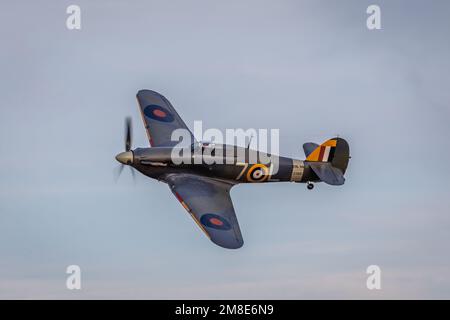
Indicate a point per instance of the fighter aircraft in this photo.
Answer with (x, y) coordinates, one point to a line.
(202, 188)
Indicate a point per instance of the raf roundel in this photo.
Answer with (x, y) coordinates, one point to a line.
(258, 173)
(215, 221)
(158, 113)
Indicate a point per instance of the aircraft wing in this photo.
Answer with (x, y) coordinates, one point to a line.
(160, 119)
(208, 202)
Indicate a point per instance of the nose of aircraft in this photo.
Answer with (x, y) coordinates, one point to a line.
(125, 157)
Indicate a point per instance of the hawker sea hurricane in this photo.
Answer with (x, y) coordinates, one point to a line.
(202, 187)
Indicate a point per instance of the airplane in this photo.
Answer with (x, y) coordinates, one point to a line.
(203, 189)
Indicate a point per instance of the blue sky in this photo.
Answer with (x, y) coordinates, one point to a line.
(309, 68)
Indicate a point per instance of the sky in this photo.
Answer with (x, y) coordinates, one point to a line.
(311, 69)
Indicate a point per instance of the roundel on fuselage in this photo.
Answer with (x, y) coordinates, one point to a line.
(257, 173)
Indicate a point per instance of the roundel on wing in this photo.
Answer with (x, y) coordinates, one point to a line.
(158, 113)
(215, 221)
(257, 173)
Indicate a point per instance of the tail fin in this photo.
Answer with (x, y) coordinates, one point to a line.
(309, 147)
(335, 151)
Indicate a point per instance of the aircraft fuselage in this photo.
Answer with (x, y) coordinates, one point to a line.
(157, 162)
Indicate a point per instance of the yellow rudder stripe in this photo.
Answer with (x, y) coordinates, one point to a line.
(322, 152)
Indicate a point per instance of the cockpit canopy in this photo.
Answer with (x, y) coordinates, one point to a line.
(204, 145)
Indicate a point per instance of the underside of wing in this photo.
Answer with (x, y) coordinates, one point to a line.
(208, 202)
(161, 119)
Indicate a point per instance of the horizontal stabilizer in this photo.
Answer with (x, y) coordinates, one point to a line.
(327, 173)
(309, 147)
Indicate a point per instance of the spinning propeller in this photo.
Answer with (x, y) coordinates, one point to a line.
(126, 158)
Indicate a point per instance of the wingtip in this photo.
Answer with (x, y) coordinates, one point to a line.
(233, 245)
(141, 92)
(147, 91)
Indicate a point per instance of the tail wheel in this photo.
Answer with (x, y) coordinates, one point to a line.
(310, 186)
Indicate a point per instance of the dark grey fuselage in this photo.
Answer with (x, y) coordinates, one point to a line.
(241, 165)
